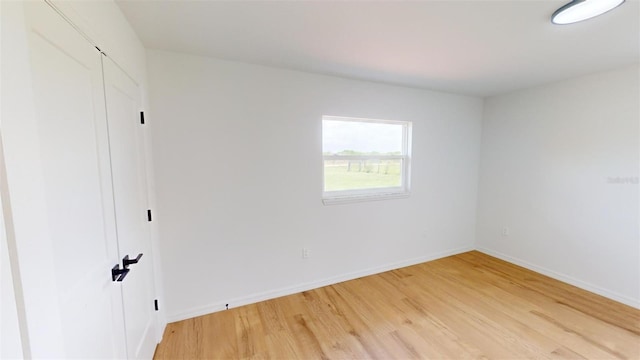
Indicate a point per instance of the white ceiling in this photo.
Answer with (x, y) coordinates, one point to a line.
(469, 47)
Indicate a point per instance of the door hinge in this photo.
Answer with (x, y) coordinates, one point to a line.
(155, 304)
(149, 215)
(142, 117)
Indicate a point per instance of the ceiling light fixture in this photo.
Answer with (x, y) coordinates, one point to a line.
(578, 10)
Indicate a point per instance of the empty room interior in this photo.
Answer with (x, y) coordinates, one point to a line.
(320, 179)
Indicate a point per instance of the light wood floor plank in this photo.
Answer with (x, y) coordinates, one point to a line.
(468, 306)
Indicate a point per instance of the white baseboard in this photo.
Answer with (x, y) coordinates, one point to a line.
(564, 278)
(272, 294)
(148, 344)
(162, 325)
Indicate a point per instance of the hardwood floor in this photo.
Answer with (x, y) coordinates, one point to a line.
(465, 306)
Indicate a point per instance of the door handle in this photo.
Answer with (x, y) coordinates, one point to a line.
(126, 261)
(118, 274)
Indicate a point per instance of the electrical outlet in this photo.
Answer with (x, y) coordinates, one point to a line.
(505, 231)
(306, 253)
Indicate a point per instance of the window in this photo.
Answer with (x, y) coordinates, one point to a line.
(365, 159)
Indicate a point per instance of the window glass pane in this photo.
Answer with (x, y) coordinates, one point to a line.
(361, 138)
(361, 174)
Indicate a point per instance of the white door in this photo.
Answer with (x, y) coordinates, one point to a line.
(72, 129)
(130, 194)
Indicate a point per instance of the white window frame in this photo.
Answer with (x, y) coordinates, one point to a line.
(373, 194)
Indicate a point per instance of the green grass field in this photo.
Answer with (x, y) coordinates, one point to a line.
(338, 176)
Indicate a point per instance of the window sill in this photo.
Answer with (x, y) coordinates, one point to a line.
(337, 200)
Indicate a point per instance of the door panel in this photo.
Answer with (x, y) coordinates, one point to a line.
(69, 99)
(130, 195)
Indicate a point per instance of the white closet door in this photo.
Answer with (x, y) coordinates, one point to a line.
(72, 129)
(130, 194)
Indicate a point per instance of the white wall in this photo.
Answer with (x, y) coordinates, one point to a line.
(238, 167)
(550, 159)
(10, 337)
(104, 22)
(11, 308)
